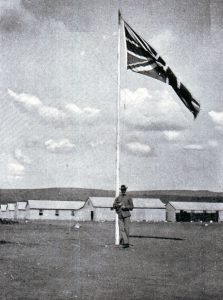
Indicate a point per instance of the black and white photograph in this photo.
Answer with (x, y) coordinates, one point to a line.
(111, 157)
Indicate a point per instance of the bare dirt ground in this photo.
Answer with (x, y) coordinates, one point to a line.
(59, 262)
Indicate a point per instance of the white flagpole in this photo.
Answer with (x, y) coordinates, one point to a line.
(118, 130)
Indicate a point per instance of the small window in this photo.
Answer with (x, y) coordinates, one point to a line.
(40, 212)
(72, 213)
(57, 212)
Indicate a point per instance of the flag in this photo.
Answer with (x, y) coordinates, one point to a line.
(143, 59)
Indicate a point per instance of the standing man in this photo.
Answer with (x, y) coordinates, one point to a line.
(123, 204)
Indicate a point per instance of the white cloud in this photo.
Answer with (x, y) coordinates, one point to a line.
(19, 156)
(163, 40)
(14, 16)
(10, 4)
(213, 143)
(12, 168)
(91, 111)
(217, 117)
(30, 102)
(81, 114)
(82, 53)
(70, 114)
(171, 135)
(52, 114)
(15, 170)
(139, 148)
(63, 145)
(136, 98)
(73, 108)
(152, 110)
(194, 147)
(95, 144)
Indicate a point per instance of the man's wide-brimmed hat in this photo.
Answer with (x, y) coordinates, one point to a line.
(123, 187)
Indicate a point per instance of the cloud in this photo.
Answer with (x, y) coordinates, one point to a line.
(213, 143)
(15, 17)
(138, 148)
(63, 145)
(29, 102)
(163, 40)
(96, 144)
(194, 147)
(15, 170)
(52, 114)
(217, 117)
(13, 165)
(171, 135)
(86, 112)
(152, 110)
(105, 37)
(10, 16)
(70, 114)
(20, 157)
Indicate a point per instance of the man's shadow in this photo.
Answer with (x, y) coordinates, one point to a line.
(156, 237)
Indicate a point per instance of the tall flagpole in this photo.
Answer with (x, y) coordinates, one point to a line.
(118, 129)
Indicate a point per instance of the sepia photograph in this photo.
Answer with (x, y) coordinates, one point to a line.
(111, 158)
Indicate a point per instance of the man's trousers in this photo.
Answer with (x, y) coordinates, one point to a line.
(124, 229)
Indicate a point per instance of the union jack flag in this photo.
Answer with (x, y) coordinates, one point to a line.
(143, 59)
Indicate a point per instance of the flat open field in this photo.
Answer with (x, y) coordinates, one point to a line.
(57, 261)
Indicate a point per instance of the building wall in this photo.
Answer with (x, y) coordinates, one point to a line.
(83, 214)
(138, 214)
(171, 213)
(104, 214)
(10, 214)
(148, 214)
(3, 215)
(220, 216)
(20, 214)
(49, 214)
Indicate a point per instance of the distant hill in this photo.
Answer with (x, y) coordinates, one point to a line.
(68, 194)
(74, 194)
(180, 195)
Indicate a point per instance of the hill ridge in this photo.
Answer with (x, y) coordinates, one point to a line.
(72, 194)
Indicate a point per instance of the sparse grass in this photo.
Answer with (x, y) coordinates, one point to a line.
(58, 262)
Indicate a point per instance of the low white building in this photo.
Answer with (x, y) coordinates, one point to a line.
(10, 213)
(145, 209)
(101, 208)
(194, 211)
(149, 210)
(20, 210)
(3, 211)
(58, 210)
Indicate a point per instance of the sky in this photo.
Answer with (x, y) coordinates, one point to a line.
(58, 89)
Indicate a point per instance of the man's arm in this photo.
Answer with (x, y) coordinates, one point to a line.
(116, 204)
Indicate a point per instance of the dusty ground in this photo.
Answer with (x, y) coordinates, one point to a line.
(59, 262)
